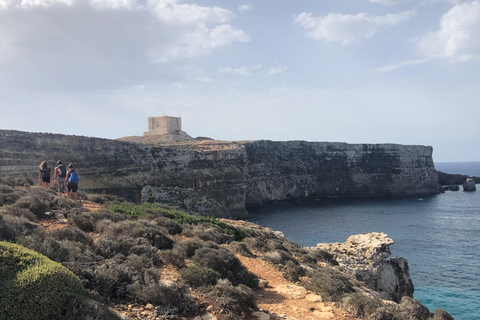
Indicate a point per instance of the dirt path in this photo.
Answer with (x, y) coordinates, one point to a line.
(283, 299)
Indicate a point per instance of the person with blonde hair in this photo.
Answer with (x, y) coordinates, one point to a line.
(45, 174)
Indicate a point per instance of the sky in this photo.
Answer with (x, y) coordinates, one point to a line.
(357, 71)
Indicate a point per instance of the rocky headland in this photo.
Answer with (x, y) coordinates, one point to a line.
(223, 179)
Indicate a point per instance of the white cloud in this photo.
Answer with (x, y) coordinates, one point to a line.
(347, 29)
(399, 64)
(458, 38)
(244, 7)
(242, 71)
(93, 44)
(275, 70)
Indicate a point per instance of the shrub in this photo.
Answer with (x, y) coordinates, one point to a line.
(240, 248)
(330, 284)
(32, 203)
(172, 226)
(253, 243)
(71, 234)
(360, 305)
(84, 222)
(20, 212)
(14, 227)
(111, 280)
(323, 256)
(196, 276)
(33, 287)
(186, 248)
(292, 271)
(179, 216)
(136, 230)
(233, 299)
(207, 232)
(80, 307)
(226, 264)
(172, 299)
(278, 257)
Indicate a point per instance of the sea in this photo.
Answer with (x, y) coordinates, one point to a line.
(438, 235)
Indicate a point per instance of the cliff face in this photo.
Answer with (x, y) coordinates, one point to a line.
(296, 169)
(223, 180)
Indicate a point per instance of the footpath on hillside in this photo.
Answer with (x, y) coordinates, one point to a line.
(277, 298)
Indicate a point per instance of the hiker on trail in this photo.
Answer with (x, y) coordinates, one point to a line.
(45, 174)
(72, 182)
(60, 177)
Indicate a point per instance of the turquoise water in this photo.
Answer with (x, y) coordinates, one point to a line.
(439, 236)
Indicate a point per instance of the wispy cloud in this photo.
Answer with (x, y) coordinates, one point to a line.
(347, 29)
(244, 8)
(275, 70)
(242, 71)
(399, 64)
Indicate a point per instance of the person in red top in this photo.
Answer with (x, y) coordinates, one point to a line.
(60, 177)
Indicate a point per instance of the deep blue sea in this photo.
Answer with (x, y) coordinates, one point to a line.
(439, 235)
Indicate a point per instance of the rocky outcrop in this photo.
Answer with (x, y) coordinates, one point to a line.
(446, 179)
(363, 256)
(469, 185)
(222, 180)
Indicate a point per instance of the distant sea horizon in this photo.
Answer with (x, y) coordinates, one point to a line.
(439, 236)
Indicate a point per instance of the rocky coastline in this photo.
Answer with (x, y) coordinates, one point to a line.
(223, 179)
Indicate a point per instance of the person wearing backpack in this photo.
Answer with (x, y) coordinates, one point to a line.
(60, 177)
(72, 182)
(45, 174)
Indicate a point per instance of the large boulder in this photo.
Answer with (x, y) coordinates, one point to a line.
(441, 314)
(33, 286)
(363, 256)
(469, 185)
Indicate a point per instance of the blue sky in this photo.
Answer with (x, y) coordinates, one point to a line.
(378, 71)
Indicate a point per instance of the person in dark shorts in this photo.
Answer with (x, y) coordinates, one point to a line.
(45, 174)
(72, 182)
(60, 177)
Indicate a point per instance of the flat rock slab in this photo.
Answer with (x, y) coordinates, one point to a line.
(261, 315)
(291, 289)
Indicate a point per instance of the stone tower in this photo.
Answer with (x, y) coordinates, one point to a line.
(163, 125)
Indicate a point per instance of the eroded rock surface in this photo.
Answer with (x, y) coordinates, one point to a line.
(363, 256)
(222, 179)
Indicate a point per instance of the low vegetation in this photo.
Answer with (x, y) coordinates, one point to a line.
(117, 255)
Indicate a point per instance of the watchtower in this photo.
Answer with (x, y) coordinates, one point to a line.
(163, 125)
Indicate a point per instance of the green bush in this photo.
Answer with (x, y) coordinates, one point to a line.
(330, 284)
(360, 305)
(233, 299)
(197, 277)
(33, 287)
(179, 216)
(82, 308)
(226, 264)
(292, 271)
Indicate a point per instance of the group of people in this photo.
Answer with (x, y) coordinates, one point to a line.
(66, 179)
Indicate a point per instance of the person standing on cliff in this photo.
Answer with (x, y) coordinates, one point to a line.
(72, 182)
(60, 177)
(45, 174)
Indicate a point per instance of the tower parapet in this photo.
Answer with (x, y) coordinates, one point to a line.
(163, 125)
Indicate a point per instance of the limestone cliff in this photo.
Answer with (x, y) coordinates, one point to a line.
(223, 179)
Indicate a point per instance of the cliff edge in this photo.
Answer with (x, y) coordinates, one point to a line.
(223, 179)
